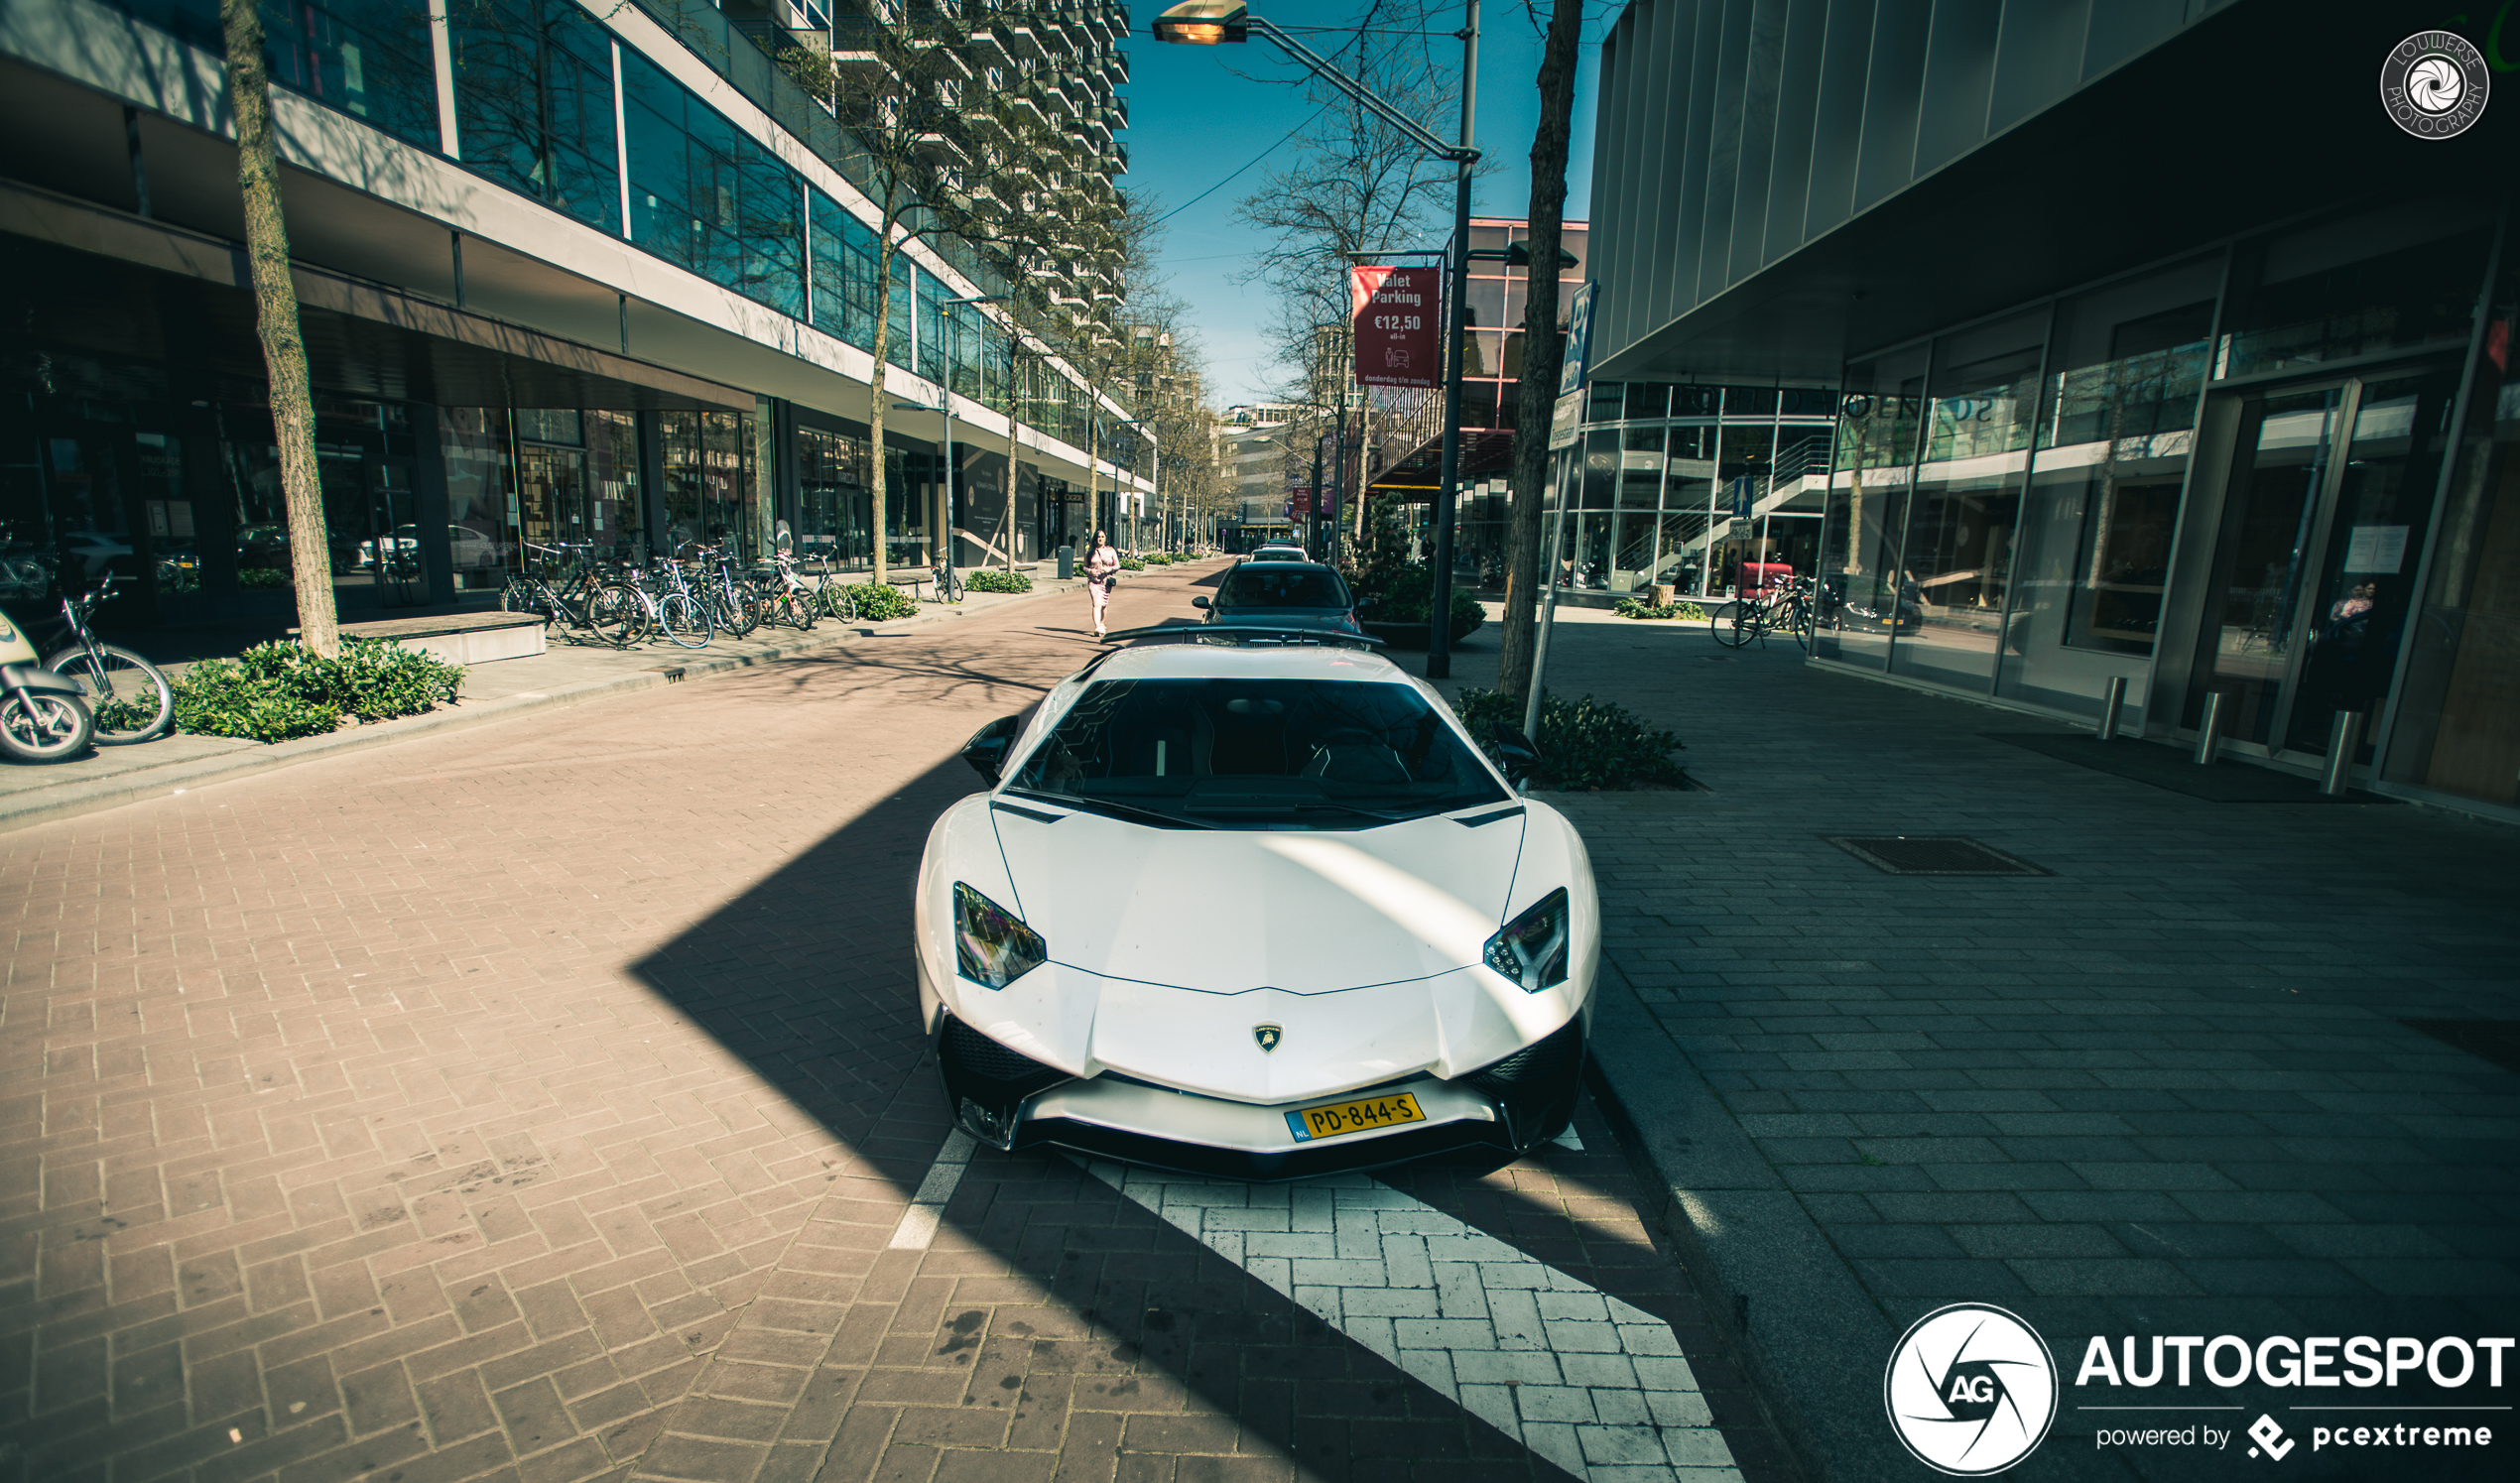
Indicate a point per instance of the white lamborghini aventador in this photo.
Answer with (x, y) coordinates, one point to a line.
(1254, 904)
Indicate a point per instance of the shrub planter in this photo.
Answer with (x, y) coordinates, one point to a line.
(1413, 636)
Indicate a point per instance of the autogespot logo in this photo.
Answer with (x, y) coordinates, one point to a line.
(2434, 84)
(1970, 1390)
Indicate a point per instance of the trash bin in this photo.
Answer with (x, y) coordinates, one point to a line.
(1067, 563)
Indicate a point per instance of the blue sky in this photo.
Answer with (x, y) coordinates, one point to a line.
(1194, 122)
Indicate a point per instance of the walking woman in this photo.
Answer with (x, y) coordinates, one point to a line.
(1101, 565)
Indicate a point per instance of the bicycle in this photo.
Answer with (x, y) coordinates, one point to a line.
(789, 601)
(601, 610)
(732, 603)
(833, 598)
(950, 586)
(129, 696)
(666, 605)
(1786, 608)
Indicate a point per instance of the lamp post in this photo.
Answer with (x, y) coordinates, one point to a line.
(1209, 23)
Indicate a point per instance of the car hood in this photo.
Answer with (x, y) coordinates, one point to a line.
(1226, 911)
(1170, 948)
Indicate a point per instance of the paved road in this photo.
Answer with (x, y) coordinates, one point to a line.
(547, 1102)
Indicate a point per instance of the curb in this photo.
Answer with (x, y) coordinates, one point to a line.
(39, 805)
(1805, 1330)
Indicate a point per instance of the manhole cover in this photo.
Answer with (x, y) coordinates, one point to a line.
(2496, 1041)
(1932, 854)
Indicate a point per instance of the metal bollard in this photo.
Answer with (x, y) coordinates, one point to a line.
(2113, 701)
(2344, 739)
(2210, 730)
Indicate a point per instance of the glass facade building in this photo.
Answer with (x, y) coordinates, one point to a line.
(1680, 485)
(2240, 441)
(518, 233)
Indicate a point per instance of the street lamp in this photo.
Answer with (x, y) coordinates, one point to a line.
(945, 404)
(1209, 23)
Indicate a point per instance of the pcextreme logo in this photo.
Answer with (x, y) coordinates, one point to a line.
(1970, 1390)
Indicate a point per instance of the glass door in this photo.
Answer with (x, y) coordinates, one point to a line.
(2331, 488)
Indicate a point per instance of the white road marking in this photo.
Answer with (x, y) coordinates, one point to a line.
(1594, 1385)
(918, 1228)
(1568, 1140)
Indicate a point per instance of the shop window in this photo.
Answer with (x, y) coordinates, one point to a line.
(1862, 599)
(2115, 432)
(1956, 561)
(1648, 399)
(534, 101)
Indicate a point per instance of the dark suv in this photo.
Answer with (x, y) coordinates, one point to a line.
(1282, 594)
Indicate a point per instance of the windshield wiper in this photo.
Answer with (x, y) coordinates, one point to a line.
(1111, 809)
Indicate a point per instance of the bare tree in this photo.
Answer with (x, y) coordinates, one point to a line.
(276, 316)
(1542, 349)
(898, 76)
(1357, 187)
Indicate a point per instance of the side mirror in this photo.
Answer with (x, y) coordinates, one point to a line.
(1363, 603)
(986, 750)
(1517, 755)
(1199, 602)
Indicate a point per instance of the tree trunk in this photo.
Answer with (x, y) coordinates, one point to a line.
(276, 315)
(877, 402)
(1541, 348)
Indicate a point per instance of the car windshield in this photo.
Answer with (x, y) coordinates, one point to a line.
(1281, 587)
(1328, 754)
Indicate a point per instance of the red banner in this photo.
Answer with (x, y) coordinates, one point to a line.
(1299, 502)
(1397, 309)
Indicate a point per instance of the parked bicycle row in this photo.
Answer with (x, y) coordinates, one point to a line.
(702, 590)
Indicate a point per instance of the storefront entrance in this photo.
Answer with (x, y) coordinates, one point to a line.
(2321, 525)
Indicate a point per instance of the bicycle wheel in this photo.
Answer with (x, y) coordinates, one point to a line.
(129, 699)
(616, 615)
(1734, 623)
(835, 602)
(684, 621)
(519, 597)
(798, 610)
(1799, 622)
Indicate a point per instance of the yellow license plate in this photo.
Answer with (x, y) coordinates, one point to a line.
(1338, 1119)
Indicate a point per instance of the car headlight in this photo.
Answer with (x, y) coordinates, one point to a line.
(991, 945)
(1530, 949)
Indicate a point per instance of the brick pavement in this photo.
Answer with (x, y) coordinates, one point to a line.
(2168, 1090)
(541, 1102)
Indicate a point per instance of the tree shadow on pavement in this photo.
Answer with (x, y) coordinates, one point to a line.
(1051, 1313)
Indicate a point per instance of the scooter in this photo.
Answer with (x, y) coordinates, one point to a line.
(43, 717)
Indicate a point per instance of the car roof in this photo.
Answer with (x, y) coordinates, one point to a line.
(1304, 566)
(1163, 661)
